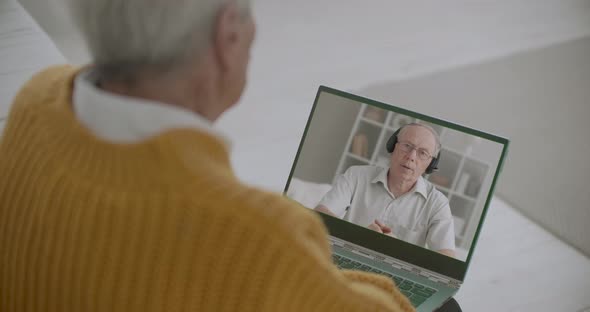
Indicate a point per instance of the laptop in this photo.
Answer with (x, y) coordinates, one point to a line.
(346, 131)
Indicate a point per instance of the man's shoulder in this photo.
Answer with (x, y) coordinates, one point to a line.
(45, 85)
(50, 75)
(367, 174)
(434, 195)
(272, 205)
(363, 171)
(247, 204)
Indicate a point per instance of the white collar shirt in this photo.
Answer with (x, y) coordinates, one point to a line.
(422, 216)
(123, 119)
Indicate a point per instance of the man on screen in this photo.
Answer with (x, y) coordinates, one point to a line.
(398, 201)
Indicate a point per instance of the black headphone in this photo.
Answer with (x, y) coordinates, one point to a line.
(433, 166)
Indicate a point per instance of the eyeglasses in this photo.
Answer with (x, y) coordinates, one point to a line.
(407, 148)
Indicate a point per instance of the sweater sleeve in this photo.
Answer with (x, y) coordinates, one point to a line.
(315, 284)
(260, 252)
(381, 282)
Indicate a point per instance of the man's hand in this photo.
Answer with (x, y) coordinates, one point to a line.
(379, 227)
(326, 210)
(447, 252)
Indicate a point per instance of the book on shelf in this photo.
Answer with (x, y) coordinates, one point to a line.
(360, 145)
(463, 182)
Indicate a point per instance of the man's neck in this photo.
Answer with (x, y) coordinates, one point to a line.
(190, 91)
(399, 187)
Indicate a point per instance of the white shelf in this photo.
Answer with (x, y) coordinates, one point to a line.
(371, 121)
(454, 193)
(359, 158)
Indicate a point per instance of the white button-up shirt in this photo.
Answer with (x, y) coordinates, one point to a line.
(124, 119)
(422, 216)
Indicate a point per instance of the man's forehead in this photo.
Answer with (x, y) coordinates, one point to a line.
(419, 134)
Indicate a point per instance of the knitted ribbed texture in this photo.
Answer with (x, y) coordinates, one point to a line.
(162, 225)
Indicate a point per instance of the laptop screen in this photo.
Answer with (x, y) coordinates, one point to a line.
(404, 176)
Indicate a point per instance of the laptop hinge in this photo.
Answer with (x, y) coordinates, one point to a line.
(395, 263)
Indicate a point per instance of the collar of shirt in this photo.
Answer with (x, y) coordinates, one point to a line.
(125, 119)
(419, 187)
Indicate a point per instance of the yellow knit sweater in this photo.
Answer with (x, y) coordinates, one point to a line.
(162, 225)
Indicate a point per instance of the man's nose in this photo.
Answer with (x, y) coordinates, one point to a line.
(412, 154)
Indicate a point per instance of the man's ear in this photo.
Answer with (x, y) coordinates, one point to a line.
(227, 35)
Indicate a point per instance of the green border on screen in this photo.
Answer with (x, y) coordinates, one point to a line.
(396, 248)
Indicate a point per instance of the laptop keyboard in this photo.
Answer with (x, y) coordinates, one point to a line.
(417, 293)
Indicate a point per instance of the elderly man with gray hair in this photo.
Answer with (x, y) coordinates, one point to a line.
(398, 201)
(117, 194)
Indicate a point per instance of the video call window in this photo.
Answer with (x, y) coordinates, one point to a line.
(345, 165)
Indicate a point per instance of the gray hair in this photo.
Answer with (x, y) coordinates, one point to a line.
(126, 35)
(437, 146)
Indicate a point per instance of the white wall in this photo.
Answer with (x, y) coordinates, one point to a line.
(54, 19)
(541, 101)
(326, 138)
(24, 50)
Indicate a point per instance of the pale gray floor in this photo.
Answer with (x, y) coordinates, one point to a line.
(518, 266)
